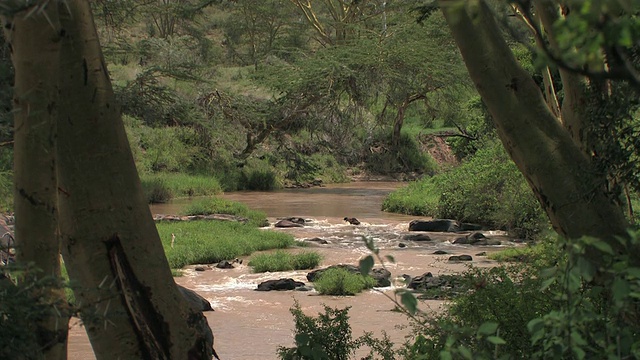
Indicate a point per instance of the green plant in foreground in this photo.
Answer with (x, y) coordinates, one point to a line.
(283, 261)
(337, 281)
(329, 337)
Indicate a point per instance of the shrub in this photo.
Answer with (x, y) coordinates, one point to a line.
(156, 190)
(215, 205)
(337, 281)
(283, 261)
(406, 158)
(486, 189)
(329, 336)
(21, 304)
(180, 185)
(504, 298)
(258, 175)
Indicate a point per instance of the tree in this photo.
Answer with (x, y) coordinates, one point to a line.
(33, 36)
(127, 298)
(548, 148)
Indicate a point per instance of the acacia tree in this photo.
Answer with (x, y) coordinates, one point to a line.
(33, 35)
(128, 300)
(548, 148)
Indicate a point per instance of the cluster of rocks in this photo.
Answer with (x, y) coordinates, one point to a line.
(436, 287)
(381, 275)
(442, 225)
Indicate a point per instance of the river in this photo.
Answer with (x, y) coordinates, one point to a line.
(251, 325)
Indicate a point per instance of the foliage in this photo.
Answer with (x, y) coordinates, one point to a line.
(206, 242)
(162, 187)
(22, 305)
(598, 312)
(258, 175)
(486, 189)
(381, 158)
(337, 281)
(284, 261)
(329, 337)
(6, 191)
(215, 205)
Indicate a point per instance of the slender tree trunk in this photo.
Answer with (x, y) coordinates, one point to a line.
(35, 44)
(556, 168)
(130, 304)
(400, 115)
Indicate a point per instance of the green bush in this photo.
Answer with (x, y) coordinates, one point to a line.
(21, 305)
(156, 190)
(6, 191)
(486, 189)
(206, 242)
(258, 175)
(162, 187)
(329, 336)
(503, 299)
(337, 281)
(283, 261)
(406, 158)
(214, 205)
(564, 305)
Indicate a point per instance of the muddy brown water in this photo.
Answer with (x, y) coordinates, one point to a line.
(251, 325)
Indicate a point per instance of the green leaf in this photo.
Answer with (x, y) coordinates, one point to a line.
(496, 340)
(409, 301)
(445, 355)
(535, 325)
(366, 265)
(620, 289)
(602, 246)
(488, 328)
(302, 339)
(586, 268)
(465, 352)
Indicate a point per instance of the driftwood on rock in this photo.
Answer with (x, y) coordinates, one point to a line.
(220, 217)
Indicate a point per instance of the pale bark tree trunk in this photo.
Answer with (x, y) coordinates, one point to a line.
(398, 121)
(557, 170)
(129, 302)
(35, 46)
(574, 85)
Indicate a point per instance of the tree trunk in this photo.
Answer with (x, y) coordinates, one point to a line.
(35, 44)
(399, 119)
(130, 304)
(558, 172)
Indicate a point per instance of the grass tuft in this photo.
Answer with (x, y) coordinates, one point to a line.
(284, 261)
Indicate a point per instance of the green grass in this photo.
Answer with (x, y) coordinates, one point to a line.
(418, 198)
(221, 206)
(164, 186)
(284, 261)
(338, 281)
(205, 242)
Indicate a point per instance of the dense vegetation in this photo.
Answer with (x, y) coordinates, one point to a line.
(227, 95)
(261, 102)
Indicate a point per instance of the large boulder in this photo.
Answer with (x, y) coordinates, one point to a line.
(437, 225)
(476, 238)
(416, 237)
(381, 275)
(442, 225)
(279, 285)
(195, 299)
(287, 224)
